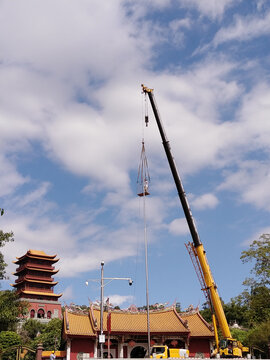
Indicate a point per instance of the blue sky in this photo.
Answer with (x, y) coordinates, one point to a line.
(71, 130)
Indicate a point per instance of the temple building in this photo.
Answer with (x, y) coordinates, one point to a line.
(35, 284)
(126, 333)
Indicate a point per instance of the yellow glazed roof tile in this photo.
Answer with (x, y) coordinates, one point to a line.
(37, 254)
(166, 321)
(197, 325)
(36, 281)
(40, 293)
(121, 322)
(78, 324)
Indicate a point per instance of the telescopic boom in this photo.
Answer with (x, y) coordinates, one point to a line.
(211, 286)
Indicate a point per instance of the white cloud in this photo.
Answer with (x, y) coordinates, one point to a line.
(211, 8)
(178, 227)
(205, 201)
(256, 236)
(70, 79)
(48, 33)
(68, 294)
(244, 29)
(10, 179)
(180, 23)
(118, 300)
(251, 181)
(34, 196)
(254, 116)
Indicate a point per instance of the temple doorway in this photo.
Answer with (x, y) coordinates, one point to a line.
(138, 352)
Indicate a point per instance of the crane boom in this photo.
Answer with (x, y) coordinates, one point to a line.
(217, 305)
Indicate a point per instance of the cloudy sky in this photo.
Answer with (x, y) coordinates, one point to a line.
(71, 127)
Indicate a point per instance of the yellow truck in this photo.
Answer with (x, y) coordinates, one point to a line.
(164, 352)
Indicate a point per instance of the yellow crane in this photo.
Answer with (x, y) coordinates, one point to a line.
(226, 347)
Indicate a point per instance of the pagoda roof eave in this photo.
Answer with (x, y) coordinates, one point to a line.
(37, 254)
(40, 293)
(52, 283)
(36, 269)
(34, 257)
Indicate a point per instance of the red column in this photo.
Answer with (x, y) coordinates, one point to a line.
(39, 352)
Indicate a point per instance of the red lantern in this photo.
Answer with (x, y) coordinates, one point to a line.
(174, 342)
(131, 343)
(106, 343)
(152, 342)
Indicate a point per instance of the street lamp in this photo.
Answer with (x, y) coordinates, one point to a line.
(102, 285)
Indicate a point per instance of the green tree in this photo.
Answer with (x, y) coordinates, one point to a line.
(206, 312)
(257, 295)
(178, 307)
(259, 338)
(30, 329)
(50, 336)
(236, 311)
(259, 252)
(9, 339)
(4, 237)
(10, 309)
(240, 335)
(259, 305)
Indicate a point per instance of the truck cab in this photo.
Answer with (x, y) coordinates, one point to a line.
(164, 352)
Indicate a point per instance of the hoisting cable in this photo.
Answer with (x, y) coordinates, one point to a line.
(143, 177)
(143, 180)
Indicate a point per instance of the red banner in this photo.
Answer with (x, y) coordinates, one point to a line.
(109, 322)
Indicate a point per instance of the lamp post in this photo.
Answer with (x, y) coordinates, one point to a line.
(102, 285)
(101, 336)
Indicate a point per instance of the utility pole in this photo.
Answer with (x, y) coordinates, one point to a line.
(102, 285)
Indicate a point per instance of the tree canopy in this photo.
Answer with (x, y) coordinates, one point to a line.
(259, 252)
(10, 309)
(9, 339)
(50, 336)
(4, 237)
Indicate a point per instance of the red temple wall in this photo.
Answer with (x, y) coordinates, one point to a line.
(81, 345)
(46, 307)
(199, 346)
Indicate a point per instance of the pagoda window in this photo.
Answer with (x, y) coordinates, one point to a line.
(32, 313)
(49, 315)
(41, 314)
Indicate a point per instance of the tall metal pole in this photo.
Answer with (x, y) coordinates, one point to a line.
(101, 309)
(102, 285)
(146, 274)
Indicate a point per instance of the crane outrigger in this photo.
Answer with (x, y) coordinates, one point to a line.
(226, 347)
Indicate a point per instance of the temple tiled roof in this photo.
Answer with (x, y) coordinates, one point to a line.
(163, 321)
(78, 324)
(197, 325)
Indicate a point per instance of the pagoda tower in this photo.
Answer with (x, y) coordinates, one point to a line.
(35, 285)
